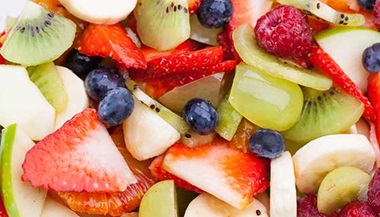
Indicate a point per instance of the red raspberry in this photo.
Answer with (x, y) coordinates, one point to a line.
(307, 207)
(358, 209)
(376, 15)
(284, 32)
(373, 193)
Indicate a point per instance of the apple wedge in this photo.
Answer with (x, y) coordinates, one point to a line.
(20, 198)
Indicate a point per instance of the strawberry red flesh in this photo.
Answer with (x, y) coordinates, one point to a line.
(3, 212)
(156, 87)
(179, 63)
(320, 59)
(374, 97)
(80, 156)
(111, 41)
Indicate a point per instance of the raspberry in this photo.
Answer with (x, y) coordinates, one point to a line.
(307, 207)
(284, 32)
(358, 209)
(373, 193)
(376, 15)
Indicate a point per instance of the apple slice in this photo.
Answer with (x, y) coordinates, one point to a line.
(20, 198)
(54, 209)
(22, 102)
(354, 41)
(77, 99)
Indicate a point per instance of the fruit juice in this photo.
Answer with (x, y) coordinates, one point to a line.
(190, 108)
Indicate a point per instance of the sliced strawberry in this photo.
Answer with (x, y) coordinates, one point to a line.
(227, 173)
(320, 59)
(158, 86)
(111, 41)
(179, 63)
(151, 53)
(80, 156)
(229, 52)
(160, 174)
(194, 5)
(374, 97)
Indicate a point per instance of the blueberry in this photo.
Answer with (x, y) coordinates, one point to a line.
(81, 64)
(367, 4)
(201, 116)
(101, 80)
(116, 106)
(214, 13)
(267, 143)
(371, 58)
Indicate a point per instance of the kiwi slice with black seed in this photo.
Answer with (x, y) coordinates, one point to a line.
(38, 36)
(324, 113)
(162, 24)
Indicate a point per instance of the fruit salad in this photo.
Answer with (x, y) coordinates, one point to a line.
(190, 108)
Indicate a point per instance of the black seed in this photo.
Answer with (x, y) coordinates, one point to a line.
(22, 30)
(179, 7)
(341, 22)
(37, 29)
(188, 135)
(258, 212)
(47, 23)
(185, 9)
(175, 8)
(346, 18)
(318, 5)
(140, 3)
(50, 15)
(167, 9)
(157, 109)
(319, 98)
(152, 106)
(342, 16)
(172, 4)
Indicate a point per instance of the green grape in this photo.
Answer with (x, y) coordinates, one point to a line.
(159, 201)
(264, 100)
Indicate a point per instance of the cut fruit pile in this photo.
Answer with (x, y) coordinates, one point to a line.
(171, 108)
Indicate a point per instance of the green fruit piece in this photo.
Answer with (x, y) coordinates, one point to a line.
(163, 24)
(324, 113)
(354, 40)
(264, 99)
(50, 83)
(229, 119)
(39, 36)
(20, 198)
(213, 88)
(159, 201)
(172, 118)
(325, 12)
(203, 34)
(341, 186)
(193, 139)
(252, 54)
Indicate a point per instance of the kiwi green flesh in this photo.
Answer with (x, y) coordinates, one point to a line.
(169, 116)
(162, 24)
(229, 119)
(324, 113)
(49, 82)
(38, 36)
(248, 49)
(322, 11)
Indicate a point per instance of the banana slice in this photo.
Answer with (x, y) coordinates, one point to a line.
(210, 206)
(283, 194)
(320, 156)
(100, 11)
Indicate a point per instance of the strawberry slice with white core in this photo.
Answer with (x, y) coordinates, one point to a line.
(80, 156)
(227, 173)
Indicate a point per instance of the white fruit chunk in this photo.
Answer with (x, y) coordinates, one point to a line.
(146, 134)
(22, 102)
(54, 209)
(20, 198)
(345, 46)
(77, 99)
(100, 11)
(210, 206)
(283, 194)
(320, 156)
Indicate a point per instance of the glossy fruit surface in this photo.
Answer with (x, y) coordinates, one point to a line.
(214, 13)
(81, 64)
(269, 98)
(267, 143)
(371, 58)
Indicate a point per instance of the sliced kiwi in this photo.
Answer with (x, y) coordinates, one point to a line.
(162, 24)
(38, 36)
(229, 119)
(192, 139)
(324, 113)
(323, 11)
(50, 83)
(169, 116)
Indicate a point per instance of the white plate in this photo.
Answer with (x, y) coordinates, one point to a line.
(10, 8)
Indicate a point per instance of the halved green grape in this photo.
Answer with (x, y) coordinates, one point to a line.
(159, 201)
(266, 101)
(251, 53)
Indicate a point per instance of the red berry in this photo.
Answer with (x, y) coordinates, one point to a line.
(284, 32)
(358, 209)
(307, 207)
(374, 191)
(376, 15)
